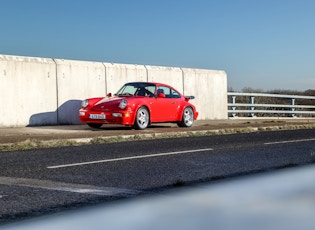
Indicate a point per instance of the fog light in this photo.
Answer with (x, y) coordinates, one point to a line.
(116, 114)
(82, 113)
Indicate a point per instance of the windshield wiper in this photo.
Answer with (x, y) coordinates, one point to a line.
(124, 94)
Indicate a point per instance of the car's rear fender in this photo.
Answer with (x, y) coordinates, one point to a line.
(193, 108)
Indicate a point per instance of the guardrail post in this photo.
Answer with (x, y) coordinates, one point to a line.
(292, 107)
(252, 107)
(234, 106)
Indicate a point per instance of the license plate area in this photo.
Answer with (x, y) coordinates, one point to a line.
(97, 116)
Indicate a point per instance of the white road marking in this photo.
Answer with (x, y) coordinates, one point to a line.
(291, 141)
(66, 187)
(129, 158)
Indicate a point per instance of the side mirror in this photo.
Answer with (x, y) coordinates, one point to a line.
(161, 95)
(109, 95)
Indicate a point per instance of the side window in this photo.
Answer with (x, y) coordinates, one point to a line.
(174, 94)
(164, 90)
(169, 93)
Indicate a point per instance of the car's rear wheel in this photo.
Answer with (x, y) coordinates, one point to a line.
(94, 125)
(187, 118)
(142, 118)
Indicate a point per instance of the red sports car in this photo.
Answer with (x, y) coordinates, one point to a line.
(138, 104)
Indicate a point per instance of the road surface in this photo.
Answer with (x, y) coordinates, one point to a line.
(37, 182)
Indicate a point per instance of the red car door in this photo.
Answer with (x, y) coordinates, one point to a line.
(163, 106)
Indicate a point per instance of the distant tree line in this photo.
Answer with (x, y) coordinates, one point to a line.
(309, 92)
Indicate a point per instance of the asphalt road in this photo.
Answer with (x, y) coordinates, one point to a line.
(36, 182)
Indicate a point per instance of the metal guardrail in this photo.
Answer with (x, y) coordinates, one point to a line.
(289, 108)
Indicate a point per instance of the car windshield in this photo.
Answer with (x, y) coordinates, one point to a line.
(137, 89)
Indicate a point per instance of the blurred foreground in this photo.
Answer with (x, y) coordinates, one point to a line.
(282, 199)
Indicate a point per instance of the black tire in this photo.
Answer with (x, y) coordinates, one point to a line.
(142, 119)
(187, 118)
(95, 125)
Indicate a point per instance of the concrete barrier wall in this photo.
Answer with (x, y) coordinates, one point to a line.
(210, 89)
(119, 74)
(168, 75)
(27, 91)
(77, 80)
(45, 91)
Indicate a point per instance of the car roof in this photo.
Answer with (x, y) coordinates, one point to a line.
(153, 83)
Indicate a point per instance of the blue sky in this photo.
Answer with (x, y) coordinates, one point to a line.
(262, 44)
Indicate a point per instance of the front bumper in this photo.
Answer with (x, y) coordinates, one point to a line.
(116, 117)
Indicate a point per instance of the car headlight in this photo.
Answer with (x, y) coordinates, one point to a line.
(123, 104)
(85, 103)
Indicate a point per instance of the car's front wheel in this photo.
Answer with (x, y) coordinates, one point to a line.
(187, 118)
(142, 118)
(94, 125)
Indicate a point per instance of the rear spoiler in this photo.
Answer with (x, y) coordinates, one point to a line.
(190, 97)
(187, 98)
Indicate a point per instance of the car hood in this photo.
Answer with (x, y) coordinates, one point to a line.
(108, 102)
